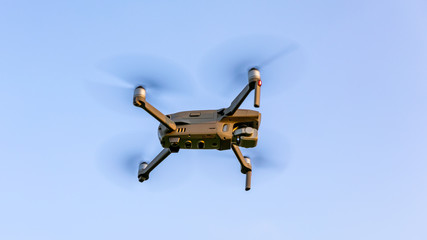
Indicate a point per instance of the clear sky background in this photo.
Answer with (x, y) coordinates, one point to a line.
(343, 119)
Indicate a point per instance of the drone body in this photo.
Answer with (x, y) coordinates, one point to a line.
(207, 129)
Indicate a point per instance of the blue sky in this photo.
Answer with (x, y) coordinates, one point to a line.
(343, 120)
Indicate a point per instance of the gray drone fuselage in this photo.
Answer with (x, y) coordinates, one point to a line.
(211, 129)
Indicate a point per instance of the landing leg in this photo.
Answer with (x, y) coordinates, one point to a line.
(145, 169)
(248, 180)
(245, 164)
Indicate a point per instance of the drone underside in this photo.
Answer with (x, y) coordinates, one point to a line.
(208, 129)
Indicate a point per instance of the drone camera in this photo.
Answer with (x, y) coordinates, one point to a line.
(254, 77)
(246, 137)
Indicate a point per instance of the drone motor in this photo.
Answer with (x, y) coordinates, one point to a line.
(254, 77)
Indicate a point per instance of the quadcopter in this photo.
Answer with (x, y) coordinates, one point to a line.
(221, 129)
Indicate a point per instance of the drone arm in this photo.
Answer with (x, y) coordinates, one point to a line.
(254, 78)
(145, 169)
(245, 164)
(238, 101)
(159, 116)
(139, 101)
(248, 180)
(257, 94)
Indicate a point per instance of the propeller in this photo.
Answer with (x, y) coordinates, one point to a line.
(226, 66)
(281, 64)
(271, 152)
(120, 156)
(163, 79)
(119, 159)
(166, 82)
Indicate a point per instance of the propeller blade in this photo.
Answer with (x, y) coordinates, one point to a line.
(119, 159)
(271, 155)
(151, 72)
(164, 80)
(226, 66)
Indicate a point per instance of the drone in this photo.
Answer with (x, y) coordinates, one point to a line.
(223, 129)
